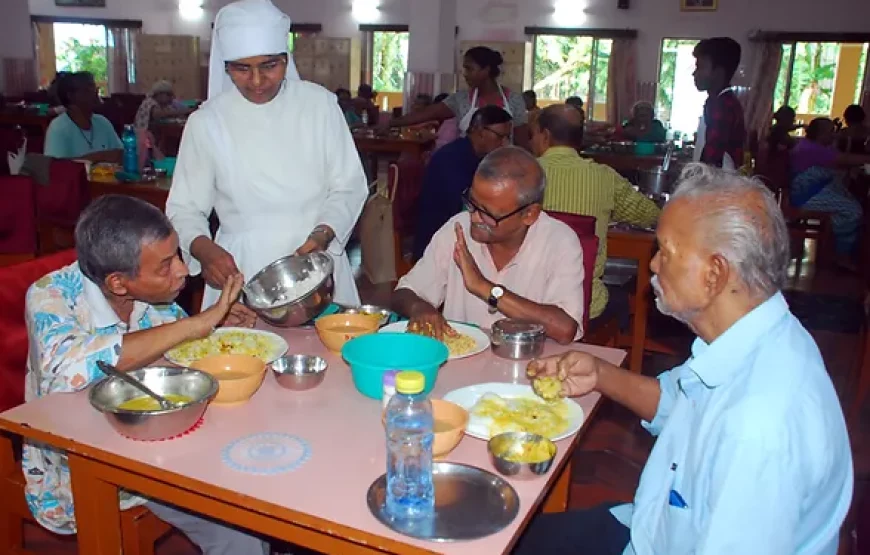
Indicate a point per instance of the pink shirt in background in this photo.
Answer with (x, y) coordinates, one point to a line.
(447, 132)
(548, 269)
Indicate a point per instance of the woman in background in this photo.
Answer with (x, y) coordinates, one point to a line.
(159, 104)
(643, 125)
(481, 69)
(79, 132)
(817, 185)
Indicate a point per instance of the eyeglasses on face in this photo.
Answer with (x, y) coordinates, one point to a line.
(471, 207)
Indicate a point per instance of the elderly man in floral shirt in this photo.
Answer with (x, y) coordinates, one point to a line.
(115, 304)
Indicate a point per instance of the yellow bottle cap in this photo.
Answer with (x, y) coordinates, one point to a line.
(410, 382)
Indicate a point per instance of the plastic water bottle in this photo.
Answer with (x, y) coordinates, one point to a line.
(365, 118)
(410, 494)
(131, 157)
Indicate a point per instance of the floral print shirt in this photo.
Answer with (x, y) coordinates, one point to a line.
(71, 326)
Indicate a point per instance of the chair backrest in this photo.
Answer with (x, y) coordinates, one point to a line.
(773, 167)
(584, 227)
(17, 215)
(14, 282)
(66, 195)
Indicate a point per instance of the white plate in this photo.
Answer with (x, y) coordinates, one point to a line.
(467, 397)
(279, 345)
(480, 338)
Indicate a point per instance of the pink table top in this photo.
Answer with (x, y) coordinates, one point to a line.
(341, 427)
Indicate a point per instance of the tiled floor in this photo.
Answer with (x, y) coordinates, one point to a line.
(612, 454)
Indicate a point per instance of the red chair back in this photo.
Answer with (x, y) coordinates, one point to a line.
(584, 227)
(17, 216)
(14, 282)
(66, 195)
(774, 169)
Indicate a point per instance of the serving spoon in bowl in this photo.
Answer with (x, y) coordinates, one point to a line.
(110, 370)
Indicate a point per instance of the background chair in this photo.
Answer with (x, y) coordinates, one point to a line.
(773, 167)
(59, 204)
(17, 220)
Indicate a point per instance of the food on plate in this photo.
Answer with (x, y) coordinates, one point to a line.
(234, 342)
(146, 403)
(530, 452)
(548, 388)
(458, 344)
(522, 414)
(103, 173)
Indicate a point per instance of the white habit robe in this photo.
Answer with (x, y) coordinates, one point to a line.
(272, 172)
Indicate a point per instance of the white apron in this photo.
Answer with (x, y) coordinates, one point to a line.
(465, 122)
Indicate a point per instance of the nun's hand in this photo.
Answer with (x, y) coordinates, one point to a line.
(217, 264)
(317, 240)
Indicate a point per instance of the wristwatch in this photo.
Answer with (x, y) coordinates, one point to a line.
(495, 295)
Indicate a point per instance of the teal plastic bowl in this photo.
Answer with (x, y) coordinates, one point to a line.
(167, 164)
(644, 148)
(369, 356)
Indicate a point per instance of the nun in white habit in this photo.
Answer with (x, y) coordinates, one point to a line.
(271, 154)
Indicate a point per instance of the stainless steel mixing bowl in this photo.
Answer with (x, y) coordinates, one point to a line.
(271, 293)
(108, 394)
(503, 446)
(299, 372)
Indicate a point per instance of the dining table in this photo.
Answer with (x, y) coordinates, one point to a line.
(318, 499)
(154, 191)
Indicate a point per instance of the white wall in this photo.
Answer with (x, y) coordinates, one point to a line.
(505, 19)
(16, 36)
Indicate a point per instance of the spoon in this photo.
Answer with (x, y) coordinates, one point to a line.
(110, 370)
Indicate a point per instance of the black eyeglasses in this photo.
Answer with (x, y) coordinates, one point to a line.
(502, 136)
(471, 207)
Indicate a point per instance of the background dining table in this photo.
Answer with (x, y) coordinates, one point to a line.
(319, 502)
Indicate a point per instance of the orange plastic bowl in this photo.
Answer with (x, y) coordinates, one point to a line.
(238, 376)
(336, 330)
(450, 423)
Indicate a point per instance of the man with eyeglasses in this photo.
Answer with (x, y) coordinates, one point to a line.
(451, 170)
(502, 257)
(271, 154)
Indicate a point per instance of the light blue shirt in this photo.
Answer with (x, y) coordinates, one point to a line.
(65, 139)
(752, 438)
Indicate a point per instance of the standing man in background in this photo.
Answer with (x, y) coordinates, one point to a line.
(272, 155)
(721, 132)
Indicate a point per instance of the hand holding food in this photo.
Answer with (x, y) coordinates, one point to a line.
(577, 373)
(547, 388)
(430, 323)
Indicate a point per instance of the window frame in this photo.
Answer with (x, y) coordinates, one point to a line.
(532, 34)
(368, 31)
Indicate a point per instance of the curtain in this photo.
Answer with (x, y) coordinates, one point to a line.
(621, 79)
(758, 104)
(45, 54)
(121, 58)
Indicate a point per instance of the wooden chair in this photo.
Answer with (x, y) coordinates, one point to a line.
(774, 169)
(605, 333)
(140, 528)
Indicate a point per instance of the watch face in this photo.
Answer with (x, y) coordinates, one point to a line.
(497, 292)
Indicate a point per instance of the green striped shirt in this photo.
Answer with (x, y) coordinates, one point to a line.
(580, 186)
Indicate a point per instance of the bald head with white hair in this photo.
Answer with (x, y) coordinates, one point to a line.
(723, 249)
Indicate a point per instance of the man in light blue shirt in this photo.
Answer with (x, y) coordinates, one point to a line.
(79, 132)
(752, 453)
